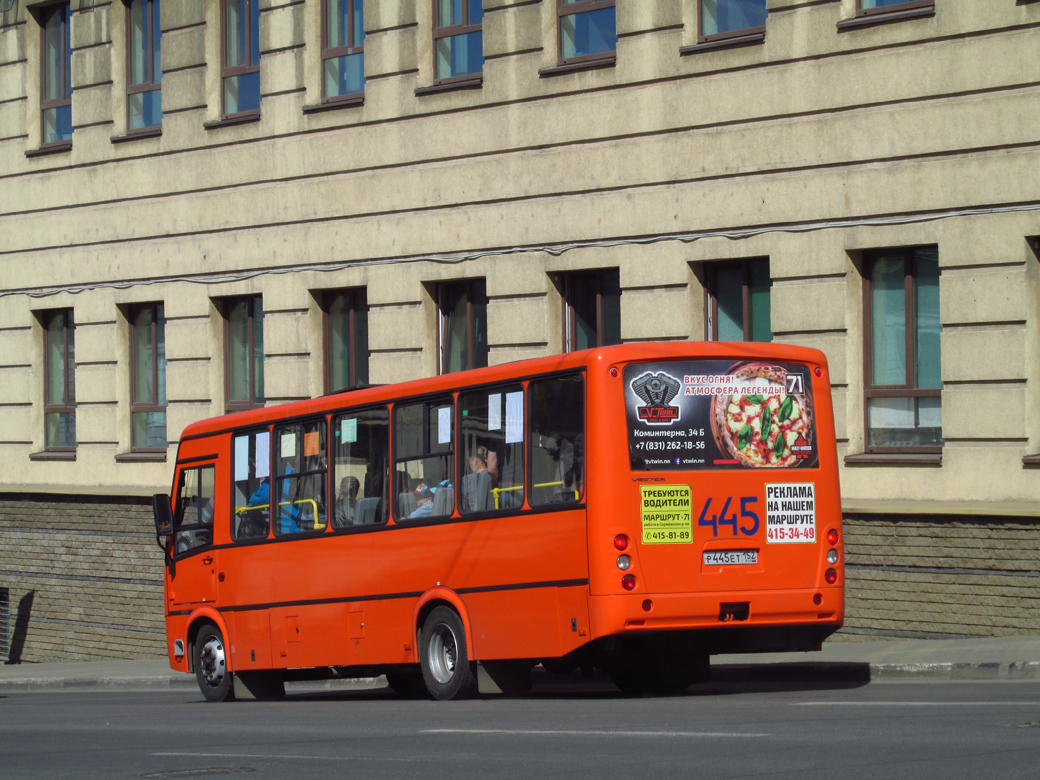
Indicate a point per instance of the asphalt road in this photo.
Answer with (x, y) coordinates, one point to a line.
(882, 730)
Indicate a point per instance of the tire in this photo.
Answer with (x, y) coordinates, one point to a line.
(215, 681)
(444, 658)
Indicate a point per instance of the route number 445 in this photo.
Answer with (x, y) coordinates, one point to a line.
(725, 519)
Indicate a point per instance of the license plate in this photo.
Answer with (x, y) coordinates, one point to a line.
(730, 557)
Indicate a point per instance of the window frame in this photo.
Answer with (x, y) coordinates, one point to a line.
(906, 390)
(570, 320)
(449, 31)
(571, 9)
(358, 304)
(227, 71)
(227, 304)
(152, 405)
(743, 32)
(278, 479)
(69, 327)
(334, 52)
(711, 289)
(151, 85)
(178, 526)
(909, 5)
(428, 404)
(64, 70)
(443, 315)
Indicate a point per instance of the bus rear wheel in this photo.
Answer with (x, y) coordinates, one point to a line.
(444, 658)
(211, 665)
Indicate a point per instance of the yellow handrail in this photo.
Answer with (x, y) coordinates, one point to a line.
(318, 525)
(495, 491)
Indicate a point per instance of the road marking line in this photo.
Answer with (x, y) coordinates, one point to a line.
(577, 733)
(915, 704)
(293, 757)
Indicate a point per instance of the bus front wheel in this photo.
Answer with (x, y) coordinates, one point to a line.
(446, 666)
(211, 665)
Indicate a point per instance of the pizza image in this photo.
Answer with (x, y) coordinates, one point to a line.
(762, 426)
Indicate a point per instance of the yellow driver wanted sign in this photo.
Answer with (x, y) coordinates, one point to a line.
(667, 514)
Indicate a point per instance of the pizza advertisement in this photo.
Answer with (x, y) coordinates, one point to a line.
(714, 414)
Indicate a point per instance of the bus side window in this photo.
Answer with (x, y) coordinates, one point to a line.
(300, 478)
(193, 520)
(557, 414)
(361, 466)
(493, 449)
(424, 460)
(251, 510)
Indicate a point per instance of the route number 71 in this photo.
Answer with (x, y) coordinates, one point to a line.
(794, 384)
(726, 519)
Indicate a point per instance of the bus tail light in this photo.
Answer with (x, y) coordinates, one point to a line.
(628, 582)
(831, 576)
(624, 562)
(832, 557)
(832, 537)
(621, 541)
(614, 371)
(818, 371)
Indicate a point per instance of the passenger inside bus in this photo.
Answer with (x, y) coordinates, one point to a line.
(476, 486)
(346, 502)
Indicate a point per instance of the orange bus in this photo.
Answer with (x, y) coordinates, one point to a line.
(633, 508)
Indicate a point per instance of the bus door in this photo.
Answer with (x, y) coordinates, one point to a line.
(736, 499)
(193, 566)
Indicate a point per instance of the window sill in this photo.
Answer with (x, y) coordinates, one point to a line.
(451, 86)
(53, 455)
(141, 457)
(1031, 461)
(333, 105)
(894, 459)
(232, 121)
(151, 132)
(860, 22)
(736, 41)
(578, 67)
(58, 148)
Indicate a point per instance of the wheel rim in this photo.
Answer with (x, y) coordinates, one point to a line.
(212, 662)
(442, 653)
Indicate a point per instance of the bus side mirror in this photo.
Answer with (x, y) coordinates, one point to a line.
(162, 512)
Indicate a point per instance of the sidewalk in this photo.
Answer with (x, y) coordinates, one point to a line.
(985, 658)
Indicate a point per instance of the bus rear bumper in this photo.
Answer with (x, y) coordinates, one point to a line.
(732, 622)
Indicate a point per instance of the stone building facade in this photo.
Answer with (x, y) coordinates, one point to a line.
(657, 156)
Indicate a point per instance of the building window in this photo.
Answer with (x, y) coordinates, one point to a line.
(148, 383)
(727, 18)
(903, 374)
(55, 72)
(591, 309)
(865, 7)
(343, 48)
(463, 326)
(738, 301)
(588, 29)
(241, 71)
(59, 366)
(458, 39)
(346, 339)
(144, 66)
(244, 353)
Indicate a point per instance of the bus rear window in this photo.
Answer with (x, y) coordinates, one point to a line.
(716, 414)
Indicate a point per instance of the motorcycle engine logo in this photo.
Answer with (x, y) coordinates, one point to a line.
(656, 391)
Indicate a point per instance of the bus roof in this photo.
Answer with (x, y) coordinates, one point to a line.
(444, 383)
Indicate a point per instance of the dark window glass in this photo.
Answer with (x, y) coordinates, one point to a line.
(493, 449)
(738, 301)
(343, 48)
(902, 328)
(867, 6)
(588, 29)
(251, 461)
(724, 17)
(591, 309)
(148, 383)
(301, 473)
(193, 519)
(241, 72)
(361, 463)
(458, 38)
(244, 353)
(60, 380)
(144, 64)
(346, 339)
(463, 326)
(424, 460)
(55, 73)
(557, 415)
